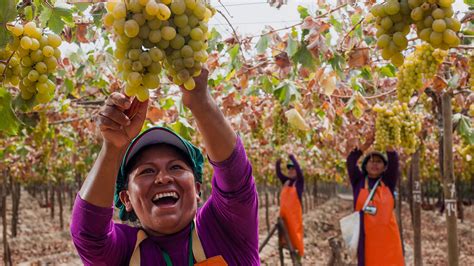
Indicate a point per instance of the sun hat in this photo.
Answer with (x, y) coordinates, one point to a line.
(152, 136)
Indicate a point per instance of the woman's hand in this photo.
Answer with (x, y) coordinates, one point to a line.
(198, 97)
(368, 142)
(120, 120)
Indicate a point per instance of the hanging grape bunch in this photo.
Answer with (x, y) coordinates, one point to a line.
(433, 20)
(29, 60)
(280, 126)
(151, 34)
(396, 126)
(419, 66)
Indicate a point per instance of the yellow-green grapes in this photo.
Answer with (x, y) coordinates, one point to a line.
(396, 126)
(151, 34)
(433, 19)
(29, 61)
(280, 126)
(418, 67)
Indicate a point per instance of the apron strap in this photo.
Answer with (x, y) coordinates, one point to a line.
(198, 251)
(135, 259)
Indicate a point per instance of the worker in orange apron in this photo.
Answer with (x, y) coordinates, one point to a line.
(291, 210)
(379, 241)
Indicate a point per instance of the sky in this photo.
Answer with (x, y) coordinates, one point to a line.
(249, 17)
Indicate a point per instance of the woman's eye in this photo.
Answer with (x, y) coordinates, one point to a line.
(147, 171)
(176, 167)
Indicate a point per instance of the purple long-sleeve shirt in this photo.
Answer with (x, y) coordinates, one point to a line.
(298, 182)
(357, 178)
(227, 224)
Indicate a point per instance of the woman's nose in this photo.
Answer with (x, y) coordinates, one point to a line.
(163, 177)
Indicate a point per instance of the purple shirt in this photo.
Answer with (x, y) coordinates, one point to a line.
(298, 182)
(357, 178)
(227, 224)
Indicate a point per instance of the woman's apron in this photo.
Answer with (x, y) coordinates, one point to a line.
(382, 237)
(292, 214)
(195, 251)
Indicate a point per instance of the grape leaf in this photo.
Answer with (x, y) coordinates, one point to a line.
(9, 122)
(303, 57)
(469, 3)
(7, 13)
(262, 44)
(59, 17)
(292, 46)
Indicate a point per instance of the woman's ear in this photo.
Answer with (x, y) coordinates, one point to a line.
(198, 191)
(125, 199)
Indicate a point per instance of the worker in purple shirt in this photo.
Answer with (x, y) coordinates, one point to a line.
(291, 204)
(295, 175)
(154, 179)
(379, 240)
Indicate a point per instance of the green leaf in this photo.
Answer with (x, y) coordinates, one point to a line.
(262, 44)
(303, 11)
(304, 57)
(233, 52)
(8, 11)
(28, 11)
(336, 24)
(182, 127)
(388, 71)
(469, 3)
(292, 47)
(464, 127)
(286, 92)
(9, 123)
(59, 17)
(336, 63)
(69, 86)
(44, 16)
(214, 39)
(167, 103)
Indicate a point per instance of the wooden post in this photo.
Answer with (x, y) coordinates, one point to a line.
(448, 181)
(3, 195)
(416, 203)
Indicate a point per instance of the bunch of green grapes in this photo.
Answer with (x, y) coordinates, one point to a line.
(151, 34)
(10, 68)
(36, 55)
(280, 126)
(435, 23)
(396, 126)
(393, 25)
(433, 19)
(421, 65)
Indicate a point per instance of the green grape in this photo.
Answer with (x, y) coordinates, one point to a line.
(168, 33)
(178, 7)
(131, 28)
(439, 25)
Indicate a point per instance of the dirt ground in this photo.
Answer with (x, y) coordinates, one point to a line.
(40, 241)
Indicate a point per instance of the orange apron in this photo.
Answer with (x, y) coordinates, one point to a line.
(382, 237)
(292, 215)
(197, 251)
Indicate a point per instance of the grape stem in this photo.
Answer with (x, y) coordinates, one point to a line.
(233, 29)
(70, 120)
(349, 32)
(6, 63)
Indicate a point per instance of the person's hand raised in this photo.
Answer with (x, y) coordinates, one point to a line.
(120, 119)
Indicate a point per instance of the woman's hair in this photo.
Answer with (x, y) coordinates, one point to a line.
(370, 155)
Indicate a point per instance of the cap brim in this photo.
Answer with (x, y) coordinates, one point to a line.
(154, 136)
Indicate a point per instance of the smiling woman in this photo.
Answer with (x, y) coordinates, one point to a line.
(157, 176)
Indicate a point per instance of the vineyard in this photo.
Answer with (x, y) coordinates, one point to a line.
(401, 71)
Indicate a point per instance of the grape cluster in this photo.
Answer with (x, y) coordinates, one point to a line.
(433, 19)
(28, 61)
(151, 34)
(421, 65)
(435, 23)
(396, 126)
(280, 126)
(393, 25)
